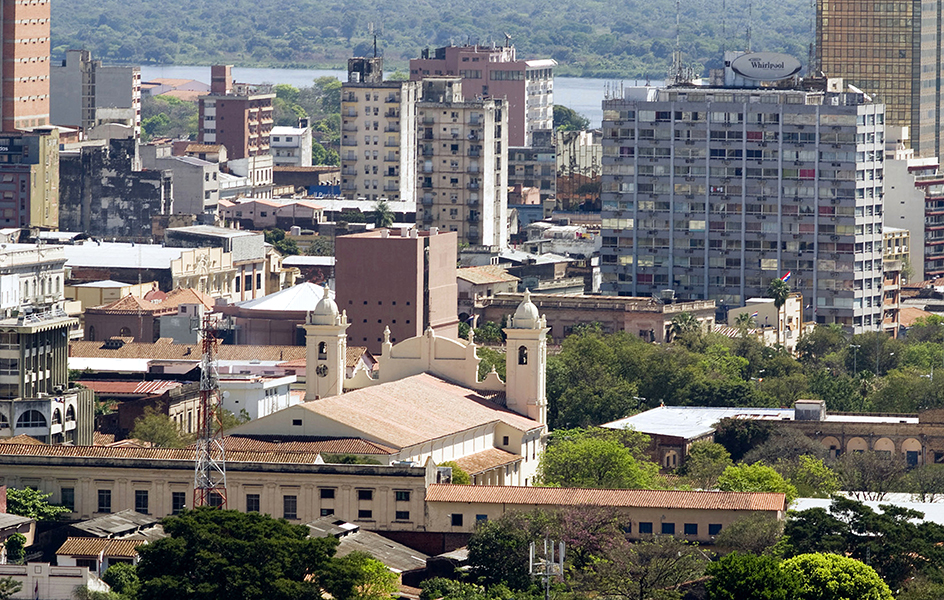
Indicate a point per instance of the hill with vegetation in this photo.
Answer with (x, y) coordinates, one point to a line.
(623, 38)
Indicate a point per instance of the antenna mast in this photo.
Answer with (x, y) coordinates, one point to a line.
(548, 565)
(209, 480)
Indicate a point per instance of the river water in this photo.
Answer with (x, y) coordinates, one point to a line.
(584, 95)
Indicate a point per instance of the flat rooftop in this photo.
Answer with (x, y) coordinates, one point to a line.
(691, 422)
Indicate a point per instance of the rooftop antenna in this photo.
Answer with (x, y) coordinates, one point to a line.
(548, 565)
(724, 33)
(507, 40)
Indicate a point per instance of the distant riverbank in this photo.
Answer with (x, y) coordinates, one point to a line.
(584, 95)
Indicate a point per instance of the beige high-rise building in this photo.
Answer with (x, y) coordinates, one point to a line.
(892, 51)
(463, 174)
(378, 134)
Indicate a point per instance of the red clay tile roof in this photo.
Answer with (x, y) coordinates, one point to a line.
(129, 303)
(414, 410)
(163, 349)
(473, 464)
(304, 444)
(22, 439)
(907, 315)
(129, 388)
(82, 546)
(198, 148)
(536, 496)
(186, 296)
(182, 454)
(485, 274)
(102, 439)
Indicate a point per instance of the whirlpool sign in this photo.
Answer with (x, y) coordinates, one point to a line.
(765, 66)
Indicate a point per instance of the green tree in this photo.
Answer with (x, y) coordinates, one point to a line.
(330, 92)
(926, 482)
(349, 459)
(739, 436)
(28, 502)
(744, 321)
(647, 570)
(755, 534)
(159, 429)
(498, 549)
(684, 323)
(371, 579)
(450, 589)
(383, 216)
(755, 478)
(779, 290)
(834, 577)
(459, 476)
(813, 478)
(748, 577)
(16, 548)
(8, 587)
(320, 246)
(123, 579)
(588, 462)
(870, 475)
(567, 119)
(490, 358)
(221, 554)
(706, 461)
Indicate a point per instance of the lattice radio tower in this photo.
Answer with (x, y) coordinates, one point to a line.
(209, 479)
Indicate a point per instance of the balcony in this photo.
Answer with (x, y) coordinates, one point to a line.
(427, 217)
(428, 185)
(427, 201)
(348, 127)
(348, 142)
(391, 158)
(392, 114)
(472, 170)
(473, 152)
(473, 218)
(392, 128)
(473, 186)
(392, 144)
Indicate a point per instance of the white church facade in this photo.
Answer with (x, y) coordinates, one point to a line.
(425, 401)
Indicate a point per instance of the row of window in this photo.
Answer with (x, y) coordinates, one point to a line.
(289, 502)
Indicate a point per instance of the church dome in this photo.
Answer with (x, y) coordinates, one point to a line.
(326, 311)
(527, 316)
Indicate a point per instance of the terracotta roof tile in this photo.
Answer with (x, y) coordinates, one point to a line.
(473, 464)
(129, 303)
(438, 408)
(163, 350)
(304, 444)
(203, 148)
(22, 439)
(484, 275)
(535, 496)
(186, 296)
(82, 546)
(183, 454)
(907, 315)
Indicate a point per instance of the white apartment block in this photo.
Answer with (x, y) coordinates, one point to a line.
(378, 134)
(291, 146)
(715, 191)
(463, 174)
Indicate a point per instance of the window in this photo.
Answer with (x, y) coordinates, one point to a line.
(402, 496)
(645, 528)
(481, 518)
(31, 418)
(522, 355)
(296, 422)
(178, 502)
(327, 512)
(714, 528)
(252, 502)
(668, 529)
(215, 499)
(504, 440)
(691, 529)
(457, 519)
(365, 514)
(141, 501)
(403, 515)
(104, 501)
(327, 492)
(365, 494)
(289, 507)
(68, 498)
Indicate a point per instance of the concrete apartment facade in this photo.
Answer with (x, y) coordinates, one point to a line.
(462, 171)
(891, 51)
(29, 178)
(535, 166)
(81, 86)
(24, 51)
(237, 115)
(291, 146)
(404, 280)
(714, 192)
(196, 181)
(914, 201)
(495, 72)
(378, 134)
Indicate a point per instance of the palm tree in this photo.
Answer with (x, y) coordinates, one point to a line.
(743, 321)
(383, 216)
(779, 291)
(684, 323)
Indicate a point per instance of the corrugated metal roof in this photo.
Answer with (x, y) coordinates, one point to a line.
(98, 546)
(131, 388)
(535, 496)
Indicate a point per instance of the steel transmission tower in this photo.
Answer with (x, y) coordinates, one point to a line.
(209, 479)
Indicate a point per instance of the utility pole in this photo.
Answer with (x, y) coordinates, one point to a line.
(209, 479)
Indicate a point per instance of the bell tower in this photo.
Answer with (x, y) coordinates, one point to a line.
(326, 349)
(526, 362)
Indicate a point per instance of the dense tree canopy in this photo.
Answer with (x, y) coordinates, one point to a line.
(834, 577)
(32, 503)
(215, 554)
(584, 458)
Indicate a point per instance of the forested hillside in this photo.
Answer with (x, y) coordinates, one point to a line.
(612, 38)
